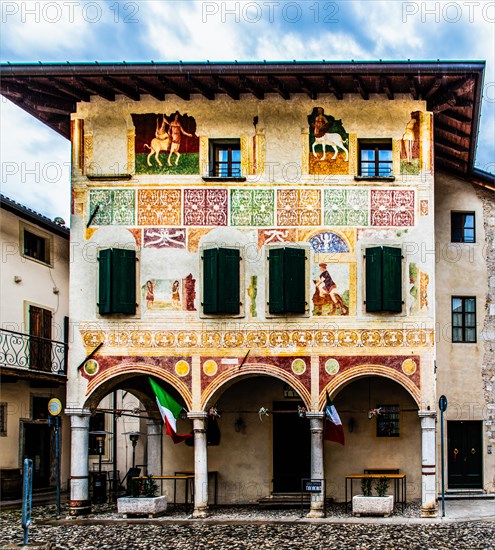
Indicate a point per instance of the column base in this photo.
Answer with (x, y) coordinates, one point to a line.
(316, 514)
(429, 511)
(79, 507)
(200, 513)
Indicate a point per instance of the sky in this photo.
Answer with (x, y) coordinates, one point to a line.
(35, 160)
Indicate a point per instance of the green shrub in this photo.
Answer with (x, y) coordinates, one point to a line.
(382, 486)
(366, 486)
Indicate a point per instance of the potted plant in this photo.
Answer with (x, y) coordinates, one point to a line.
(366, 504)
(143, 499)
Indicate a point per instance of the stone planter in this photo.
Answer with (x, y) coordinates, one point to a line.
(372, 506)
(136, 506)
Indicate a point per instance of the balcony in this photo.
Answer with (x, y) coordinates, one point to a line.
(40, 357)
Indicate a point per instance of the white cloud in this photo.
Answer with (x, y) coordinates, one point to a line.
(34, 163)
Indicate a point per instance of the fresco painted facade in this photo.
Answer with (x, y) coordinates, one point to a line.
(288, 195)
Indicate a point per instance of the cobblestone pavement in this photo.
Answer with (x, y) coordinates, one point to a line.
(280, 530)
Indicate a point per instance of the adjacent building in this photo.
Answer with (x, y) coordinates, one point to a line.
(34, 299)
(260, 238)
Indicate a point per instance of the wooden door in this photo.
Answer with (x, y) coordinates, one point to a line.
(291, 448)
(464, 449)
(40, 332)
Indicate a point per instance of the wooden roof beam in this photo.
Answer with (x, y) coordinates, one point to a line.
(96, 89)
(124, 89)
(149, 88)
(174, 88)
(444, 127)
(252, 87)
(79, 94)
(386, 87)
(458, 117)
(333, 88)
(442, 142)
(437, 83)
(278, 86)
(361, 88)
(413, 87)
(204, 90)
(227, 88)
(307, 87)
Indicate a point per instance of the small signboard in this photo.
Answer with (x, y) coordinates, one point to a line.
(54, 406)
(312, 486)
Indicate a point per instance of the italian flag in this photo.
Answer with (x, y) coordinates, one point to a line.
(334, 431)
(170, 410)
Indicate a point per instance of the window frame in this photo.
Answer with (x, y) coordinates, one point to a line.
(242, 287)
(391, 415)
(40, 234)
(463, 326)
(137, 293)
(229, 145)
(307, 250)
(380, 144)
(465, 213)
(366, 283)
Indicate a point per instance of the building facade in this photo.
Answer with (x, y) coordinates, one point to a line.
(34, 344)
(257, 239)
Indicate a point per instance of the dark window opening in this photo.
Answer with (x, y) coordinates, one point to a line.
(40, 408)
(96, 424)
(3, 419)
(462, 227)
(387, 421)
(463, 319)
(225, 158)
(375, 158)
(36, 247)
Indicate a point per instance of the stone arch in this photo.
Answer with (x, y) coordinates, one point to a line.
(361, 371)
(230, 376)
(101, 382)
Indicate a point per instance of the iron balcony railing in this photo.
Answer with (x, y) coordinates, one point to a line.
(32, 352)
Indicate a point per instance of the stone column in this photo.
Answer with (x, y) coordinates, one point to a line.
(154, 448)
(79, 481)
(200, 464)
(316, 420)
(429, 508)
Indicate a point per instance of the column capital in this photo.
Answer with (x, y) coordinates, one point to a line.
(77, 411)
(197, 415)
(427, 414)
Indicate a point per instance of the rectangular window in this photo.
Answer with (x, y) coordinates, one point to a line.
(117, 281)
(375, 158)
(463, 319)
(384, 279)
(462, 227)
(221, 281)
(36, 245)
(3, 419)
(225, 158)
(96, 424)
(287, 280)
(387, 421)
(40, 335)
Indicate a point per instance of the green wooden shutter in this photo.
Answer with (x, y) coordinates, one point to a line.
(374, 279)
(392, 279)
(295, 280)
(276, 302)
(123, 281)
(105, 281)
(228, 281)
(210, 280)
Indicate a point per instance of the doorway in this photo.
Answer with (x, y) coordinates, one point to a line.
(37, 447)
(464, 454)
(291, 447)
